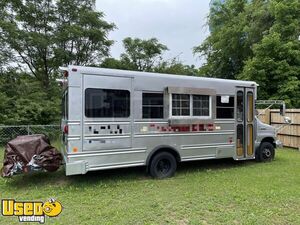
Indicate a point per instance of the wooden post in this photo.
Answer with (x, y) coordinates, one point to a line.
(268, 116)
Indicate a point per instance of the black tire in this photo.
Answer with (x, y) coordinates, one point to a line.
(162, 165)
(265, 152)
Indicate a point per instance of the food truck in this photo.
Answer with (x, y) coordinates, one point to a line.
(116, 119)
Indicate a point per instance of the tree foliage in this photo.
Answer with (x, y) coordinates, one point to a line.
(81, 33)
(276, 61)
(142, 55)
(45, 34)
(256, 40)
(38, 36)
(23, 100)
(175, 66)
(147, 55)
(226, 47)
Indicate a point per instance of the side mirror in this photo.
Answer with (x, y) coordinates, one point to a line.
(287, 120)
(282, 110)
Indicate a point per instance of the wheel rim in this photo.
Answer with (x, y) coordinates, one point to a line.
(267, 153)
(163, 166)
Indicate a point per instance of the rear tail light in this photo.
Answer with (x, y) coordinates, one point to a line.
(66, 129)
(66, 74)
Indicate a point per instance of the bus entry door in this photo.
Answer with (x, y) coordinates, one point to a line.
(245, 123)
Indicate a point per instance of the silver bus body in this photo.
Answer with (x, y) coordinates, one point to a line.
(108, 122)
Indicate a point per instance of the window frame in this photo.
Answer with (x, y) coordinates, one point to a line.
(190, 116)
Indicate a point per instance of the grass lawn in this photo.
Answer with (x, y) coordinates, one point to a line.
(203, 192)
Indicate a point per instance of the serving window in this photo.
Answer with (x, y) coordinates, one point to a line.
(180, 105)
(201, 105)
(189, 105)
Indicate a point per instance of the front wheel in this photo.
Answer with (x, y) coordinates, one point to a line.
(265, 153)
(163, 165)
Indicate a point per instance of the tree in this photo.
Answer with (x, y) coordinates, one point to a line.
(276, 62)
(23, 101)
(142, 55)
(113, 63)
(146, 55)
(256, 40)
(81, 33)
(175, 66)
(235, 26)
(45, 34)
(5, 53)
(38, 36)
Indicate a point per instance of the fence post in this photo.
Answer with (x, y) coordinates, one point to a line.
(268, 117)
(27, 129)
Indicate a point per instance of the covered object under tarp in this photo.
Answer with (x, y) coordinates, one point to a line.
(30, 153)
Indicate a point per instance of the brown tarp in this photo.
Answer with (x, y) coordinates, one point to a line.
(30, 153)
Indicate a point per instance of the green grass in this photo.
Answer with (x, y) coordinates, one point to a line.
(203, 192)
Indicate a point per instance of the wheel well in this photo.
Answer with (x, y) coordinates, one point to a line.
(270, 140)
(163, 149)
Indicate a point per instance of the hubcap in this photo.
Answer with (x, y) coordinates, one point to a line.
(163, 166)
(267, 153)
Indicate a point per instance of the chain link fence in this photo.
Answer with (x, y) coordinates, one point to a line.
(8, 133)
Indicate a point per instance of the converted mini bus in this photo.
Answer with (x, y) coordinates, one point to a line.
(115, 119)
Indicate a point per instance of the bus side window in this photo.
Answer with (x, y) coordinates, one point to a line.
(153, 105)
(107, 103)
(225, 108)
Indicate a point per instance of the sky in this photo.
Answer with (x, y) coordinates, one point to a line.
(179, 24)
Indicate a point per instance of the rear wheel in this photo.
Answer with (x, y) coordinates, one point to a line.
(266, 152)
(163, 165)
